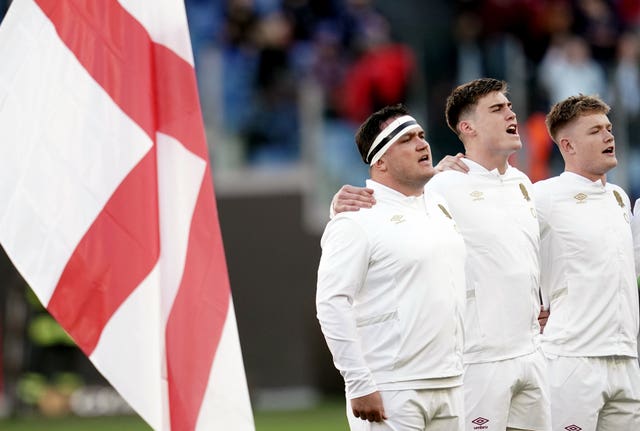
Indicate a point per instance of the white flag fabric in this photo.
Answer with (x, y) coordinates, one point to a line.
(107, 205)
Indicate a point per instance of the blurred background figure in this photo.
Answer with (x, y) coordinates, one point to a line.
(625, 94)
(568, 69)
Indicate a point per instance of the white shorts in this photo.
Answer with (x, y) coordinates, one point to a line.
(590, 394)
(416, 410)
(511, 393)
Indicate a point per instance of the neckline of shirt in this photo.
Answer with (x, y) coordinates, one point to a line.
(388, 193)
(477, 167)
(582, 179)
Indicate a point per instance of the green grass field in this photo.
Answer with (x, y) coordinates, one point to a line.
(329, 416)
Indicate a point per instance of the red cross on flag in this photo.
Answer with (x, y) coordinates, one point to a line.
(107, 205)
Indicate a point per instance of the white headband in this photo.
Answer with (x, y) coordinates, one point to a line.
(389, 135)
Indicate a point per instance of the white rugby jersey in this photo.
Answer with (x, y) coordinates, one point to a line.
(635, 228)
(390, 294)
(496, 216)
(587, 267)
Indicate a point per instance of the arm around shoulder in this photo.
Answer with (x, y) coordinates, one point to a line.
(351, 198)
(453, 163)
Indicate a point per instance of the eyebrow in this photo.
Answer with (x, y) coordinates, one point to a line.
(601, 126)
(413, 132)
(500, 105)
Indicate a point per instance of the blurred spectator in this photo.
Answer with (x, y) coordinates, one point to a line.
(357, 20)
(205, 21)
(306, 15)
(627, 76)
(568, 69)
(469, 55)
(239, 62)
(308, 19)
(240, 23)
(629, 13)
(506, 16)
(272, 131)
(626, 96)
(328, 66)
(597, 22)
(504, 22)
(380, 76)
(552, 20)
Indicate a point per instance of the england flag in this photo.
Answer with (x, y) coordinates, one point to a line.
(107, 204)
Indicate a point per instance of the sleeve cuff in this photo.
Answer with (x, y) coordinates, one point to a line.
(360, 386)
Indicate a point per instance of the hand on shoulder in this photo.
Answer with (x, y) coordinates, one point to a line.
(352, 198)
(452, 163)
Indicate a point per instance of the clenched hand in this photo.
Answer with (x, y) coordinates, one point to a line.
(369, 407)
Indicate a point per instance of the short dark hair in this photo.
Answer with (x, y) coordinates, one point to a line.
(372, 126)
(567, 110)
(465, 97)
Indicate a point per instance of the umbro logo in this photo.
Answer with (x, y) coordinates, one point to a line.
(397, 219)
(479, 423)
(477, 195)
(573, 428)
(580, 198)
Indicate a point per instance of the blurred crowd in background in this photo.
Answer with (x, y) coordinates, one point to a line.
(287, 82)
(263, 53)
(257, 59)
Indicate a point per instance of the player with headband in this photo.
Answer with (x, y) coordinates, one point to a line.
(390, 294)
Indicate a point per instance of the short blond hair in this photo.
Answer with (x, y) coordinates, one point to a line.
(567, 110)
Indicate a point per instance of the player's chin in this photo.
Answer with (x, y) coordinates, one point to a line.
(612, 162)
(426, 175)
(515, 143)
(427, 168)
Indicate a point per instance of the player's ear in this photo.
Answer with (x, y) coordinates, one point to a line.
(381, 164)
(566, 146)
(465, 127)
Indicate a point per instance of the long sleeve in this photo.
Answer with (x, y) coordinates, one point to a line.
(542, 213)
(341, 273)
(635, 228)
